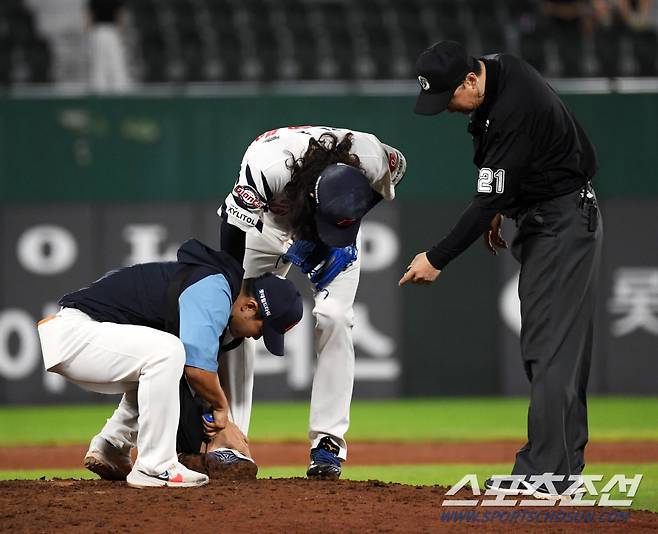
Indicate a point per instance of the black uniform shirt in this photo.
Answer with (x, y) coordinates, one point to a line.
(528, 148)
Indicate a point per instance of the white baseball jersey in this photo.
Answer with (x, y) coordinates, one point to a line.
(266, 169)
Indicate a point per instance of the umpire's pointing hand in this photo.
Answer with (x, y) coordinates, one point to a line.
(420, 271)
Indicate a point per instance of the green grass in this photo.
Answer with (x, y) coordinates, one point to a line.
(472, 419)
(441, 474)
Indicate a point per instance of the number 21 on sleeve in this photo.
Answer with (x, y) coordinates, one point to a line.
(486, 178)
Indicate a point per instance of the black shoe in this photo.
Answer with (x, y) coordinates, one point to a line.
(325, 463)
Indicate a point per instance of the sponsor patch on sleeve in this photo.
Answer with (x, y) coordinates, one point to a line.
(248, 198)
(392, 160)
(397, 165)
(244, 217)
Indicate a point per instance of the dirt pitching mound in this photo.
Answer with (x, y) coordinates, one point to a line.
(282, 505)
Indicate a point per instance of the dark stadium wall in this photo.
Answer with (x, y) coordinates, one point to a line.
(106, 183)
(137, 149)
(47, 250)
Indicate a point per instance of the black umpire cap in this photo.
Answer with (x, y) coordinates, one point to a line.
(441, 69)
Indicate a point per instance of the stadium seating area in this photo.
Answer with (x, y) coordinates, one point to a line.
(25, 56)
(264, 40)
(214, 40)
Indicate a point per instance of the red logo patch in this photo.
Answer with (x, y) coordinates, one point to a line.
(392, 161)
(247, 197)
(346, 222)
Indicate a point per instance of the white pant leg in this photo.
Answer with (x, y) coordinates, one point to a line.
(333, 381)
(108, 66)
(112, 358)
(121, 429)
(236, 375)
(236, 368)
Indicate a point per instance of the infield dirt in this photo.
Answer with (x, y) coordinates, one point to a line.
(271, 505)
(292, 505)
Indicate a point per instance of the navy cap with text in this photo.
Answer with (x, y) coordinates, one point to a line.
(280, 306)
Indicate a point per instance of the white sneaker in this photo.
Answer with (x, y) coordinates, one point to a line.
(568, 494)
(177, 476)
(106, 460)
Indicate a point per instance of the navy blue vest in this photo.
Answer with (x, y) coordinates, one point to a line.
(140, 294)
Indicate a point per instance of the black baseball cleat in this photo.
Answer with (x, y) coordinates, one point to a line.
(325, 463)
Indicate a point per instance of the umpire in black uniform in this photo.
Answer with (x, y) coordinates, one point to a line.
(535, 164)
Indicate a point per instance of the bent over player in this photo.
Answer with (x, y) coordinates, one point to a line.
(310, 185)
(137, 329)
(535, 164)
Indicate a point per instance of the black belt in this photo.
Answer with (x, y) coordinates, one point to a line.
(587, 200)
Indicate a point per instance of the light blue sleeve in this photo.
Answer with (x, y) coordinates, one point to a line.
(204, 311)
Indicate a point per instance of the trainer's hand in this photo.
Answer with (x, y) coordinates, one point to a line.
(231, 437)
(220, 420)
(493, 238)
(420, 271)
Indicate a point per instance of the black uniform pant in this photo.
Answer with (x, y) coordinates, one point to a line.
(559, 247)
(190, 434)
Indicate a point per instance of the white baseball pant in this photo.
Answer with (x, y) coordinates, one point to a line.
(142, 363)
(333, 380)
